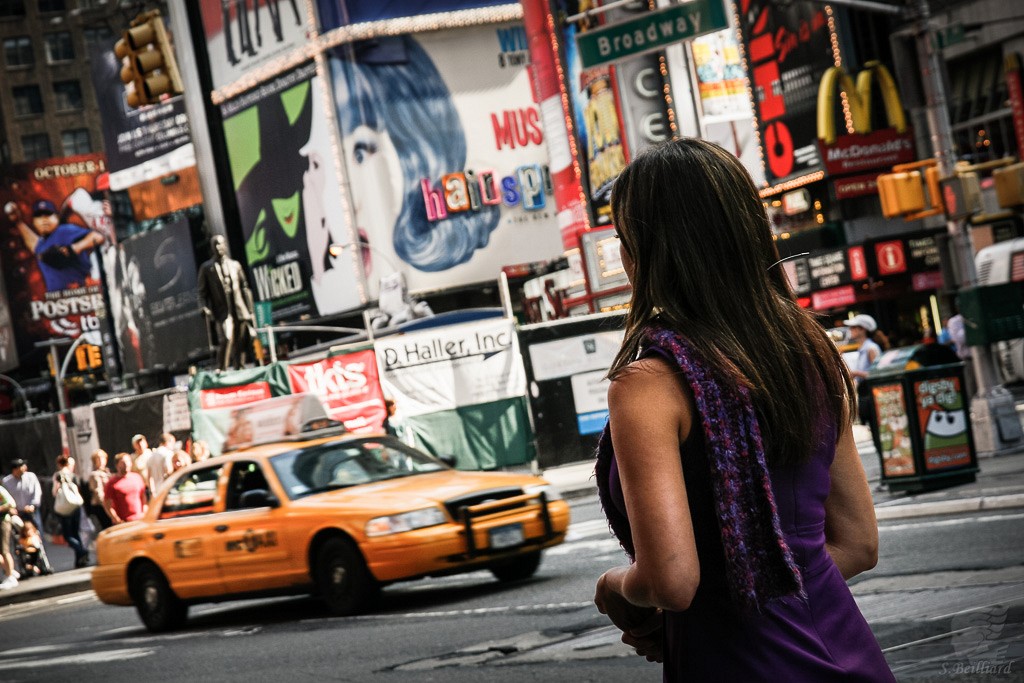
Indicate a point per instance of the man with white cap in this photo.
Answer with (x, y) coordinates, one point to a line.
(861, 328)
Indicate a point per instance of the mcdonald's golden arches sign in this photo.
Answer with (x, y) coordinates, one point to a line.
(865, 149)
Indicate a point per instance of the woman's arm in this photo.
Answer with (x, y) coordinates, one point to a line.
(851, 530)
(650, 416)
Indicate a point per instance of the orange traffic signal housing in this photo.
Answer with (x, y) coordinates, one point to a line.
(150, 69)
(905, 193)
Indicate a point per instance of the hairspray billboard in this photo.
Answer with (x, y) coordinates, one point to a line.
(788, 49)
(244, 35)
(445, 155)
(54, 220)
(289, 198)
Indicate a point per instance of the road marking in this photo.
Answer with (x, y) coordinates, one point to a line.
(593, 527)
(549, 607)
(603, 545)
(949, 522)
(102, 657)
(929, 639)
(78, 597)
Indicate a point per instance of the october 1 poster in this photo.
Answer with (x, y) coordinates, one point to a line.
(53, 222)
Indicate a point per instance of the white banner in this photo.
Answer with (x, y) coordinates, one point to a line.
(176, 414)
(86, 440)
(266, 421)
(451, 367)
(573, 355)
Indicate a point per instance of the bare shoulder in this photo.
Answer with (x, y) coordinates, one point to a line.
(644, 376)
(651, 382)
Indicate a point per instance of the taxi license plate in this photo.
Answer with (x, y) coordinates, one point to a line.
(506, 536)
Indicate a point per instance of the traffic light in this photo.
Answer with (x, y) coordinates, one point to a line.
(905, 193)
(88, 357)
(1010, 185)
(149, 68)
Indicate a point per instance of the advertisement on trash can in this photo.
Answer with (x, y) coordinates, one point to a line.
(943, 421)
(893, 430)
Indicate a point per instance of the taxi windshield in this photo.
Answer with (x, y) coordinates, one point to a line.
(337, 465)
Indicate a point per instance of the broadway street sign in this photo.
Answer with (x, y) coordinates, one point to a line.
(651, 31)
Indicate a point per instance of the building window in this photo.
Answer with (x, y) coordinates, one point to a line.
(75, 142)
(28, 100)
(68, 95)
(98, 36)
(12, 8)
(59, 47)
(52, 5)
(36, 146)
(18, 52)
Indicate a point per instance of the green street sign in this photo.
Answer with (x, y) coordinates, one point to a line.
(264, 318)
(949, 35)
(651, 31)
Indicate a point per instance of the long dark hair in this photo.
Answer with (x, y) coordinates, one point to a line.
(694, 226)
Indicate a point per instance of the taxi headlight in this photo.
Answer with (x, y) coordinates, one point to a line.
(549, 491)
(406, 521)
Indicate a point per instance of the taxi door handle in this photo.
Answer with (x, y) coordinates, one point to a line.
(220, 528)
(158, 536)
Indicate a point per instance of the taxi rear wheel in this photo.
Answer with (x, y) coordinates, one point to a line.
(518, 568)
(158, 607)
(342, 579)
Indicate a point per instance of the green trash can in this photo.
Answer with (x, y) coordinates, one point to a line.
(922, 424)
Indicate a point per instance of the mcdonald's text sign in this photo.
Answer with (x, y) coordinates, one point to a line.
(859, 153)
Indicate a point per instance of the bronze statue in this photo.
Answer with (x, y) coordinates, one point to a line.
(227, 301)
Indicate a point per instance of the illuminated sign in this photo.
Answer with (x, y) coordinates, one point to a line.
(866, 149)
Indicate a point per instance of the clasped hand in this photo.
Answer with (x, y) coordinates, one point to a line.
(642, 627)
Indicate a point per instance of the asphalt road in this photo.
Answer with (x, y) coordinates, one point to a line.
(948, 592)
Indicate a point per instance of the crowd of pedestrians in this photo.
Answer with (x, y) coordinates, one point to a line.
(100, 500)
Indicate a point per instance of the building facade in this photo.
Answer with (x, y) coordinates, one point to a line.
(47, 102)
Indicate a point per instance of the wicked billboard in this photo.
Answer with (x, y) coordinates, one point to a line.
(53, 222)
(289, 198)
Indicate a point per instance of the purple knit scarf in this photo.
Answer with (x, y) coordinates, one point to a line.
(759, 563)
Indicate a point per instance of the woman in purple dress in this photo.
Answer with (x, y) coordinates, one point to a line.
(728, 470)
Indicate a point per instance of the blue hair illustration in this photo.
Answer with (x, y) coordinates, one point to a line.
(394, 87)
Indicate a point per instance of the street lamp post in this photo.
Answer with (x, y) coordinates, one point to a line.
(58, 367)
(994, 416)
(20, 389)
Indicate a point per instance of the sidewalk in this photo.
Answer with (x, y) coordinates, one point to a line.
(999, 485)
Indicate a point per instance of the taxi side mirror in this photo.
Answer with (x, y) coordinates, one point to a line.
(258, 498)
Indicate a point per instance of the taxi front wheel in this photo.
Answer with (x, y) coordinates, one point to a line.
(158, 607)
(342, 579)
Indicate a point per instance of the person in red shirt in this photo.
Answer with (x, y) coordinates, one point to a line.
(124, 496)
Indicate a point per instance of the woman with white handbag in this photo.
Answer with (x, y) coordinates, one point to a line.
(67, 504)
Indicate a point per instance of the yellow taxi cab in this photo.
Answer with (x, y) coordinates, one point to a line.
(338, 516)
